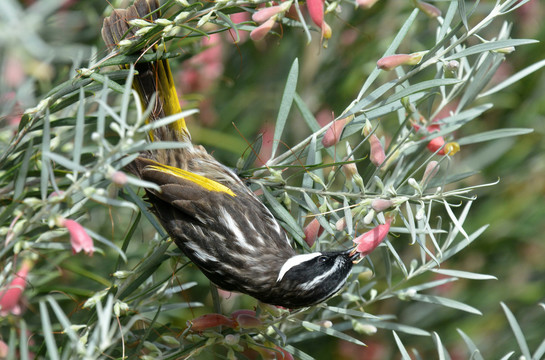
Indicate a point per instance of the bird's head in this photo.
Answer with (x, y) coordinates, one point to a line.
(309, 279)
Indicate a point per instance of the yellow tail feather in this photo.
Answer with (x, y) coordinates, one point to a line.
(153, 77)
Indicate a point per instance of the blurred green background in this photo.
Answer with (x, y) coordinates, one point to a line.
(41, 42)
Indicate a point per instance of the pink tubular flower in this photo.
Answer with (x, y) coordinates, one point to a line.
(10, 296)
(316, 12)
(388, 63)
(431, 169)
(208, 321)
(368, 241)
(428, 9)
(333, 134)
(259, 32)
(377, 155)
(265, 14)
(366, 4)
(312, 231)
(79, 239)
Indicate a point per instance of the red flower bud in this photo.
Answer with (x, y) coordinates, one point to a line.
(246, 321)
(381, 204)
(428, 9)
(10, 296)
(366, 4)
(333, 134)
(431, 169)
(262, 30)
(209, 321)
(79, 239)
(265, 14)
(119, 178)
(388, 63)
(377, 155)
(368, 241)
(312, 231)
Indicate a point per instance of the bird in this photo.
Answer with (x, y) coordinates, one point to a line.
(207, 210)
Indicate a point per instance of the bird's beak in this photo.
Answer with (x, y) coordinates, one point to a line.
(354, 255)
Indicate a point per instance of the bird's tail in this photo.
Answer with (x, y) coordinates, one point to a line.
(153, 77)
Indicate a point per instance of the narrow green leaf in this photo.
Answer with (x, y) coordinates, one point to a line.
(421, 86)
(432, 299)
(23, 341)
(285, 105)
(439, 345)
(298, 353)
(459, 246)
(463, 13)
(455, 220)
(283, 214)
(540, 351)
(52, 352)
(404, 354)
(107, 84)
(23, 171)
(489, 46)
(507, 356)
(80, 124)
(306, 114)
(474, 352)
(517, 331)
(464, 274)
(44, 171)
(411, 330)
(493, 135)
(61, 160)
(63, 319)
(514, 78)
(230, 24)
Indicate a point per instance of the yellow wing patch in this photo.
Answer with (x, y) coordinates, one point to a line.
(202, 181)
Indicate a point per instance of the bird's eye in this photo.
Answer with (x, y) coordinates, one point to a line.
(322, 259)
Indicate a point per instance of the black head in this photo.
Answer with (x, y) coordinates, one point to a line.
(309, 279)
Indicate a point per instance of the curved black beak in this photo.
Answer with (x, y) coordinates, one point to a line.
(354, 255)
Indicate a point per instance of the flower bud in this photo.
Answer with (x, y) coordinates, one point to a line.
(349, 170)
(231, 339)
(431, 170)
(388, 63)
(265, 14)
(262, 30)
(505, 50)
(340, 224)
(312, 231)
(380, 205)
(428, 9)
(119, 178)
(139, 23)
(163, 22)
(368, 241)
(208, 321)
(333, 134)
(364, 329)
(366, 4)
(246, 321)
(377, 155)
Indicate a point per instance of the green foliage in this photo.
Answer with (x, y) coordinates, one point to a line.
(138, 296)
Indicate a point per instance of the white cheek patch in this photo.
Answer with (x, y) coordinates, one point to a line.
(294, 261)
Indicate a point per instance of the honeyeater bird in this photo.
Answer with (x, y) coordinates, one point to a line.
(211, 215)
